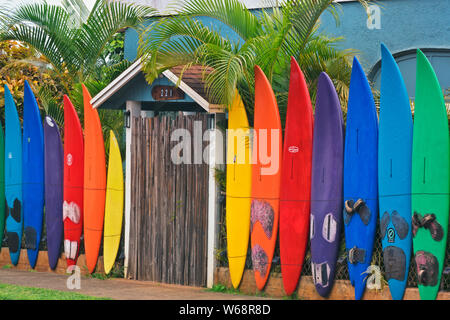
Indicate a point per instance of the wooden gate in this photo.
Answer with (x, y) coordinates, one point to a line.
(169, 203)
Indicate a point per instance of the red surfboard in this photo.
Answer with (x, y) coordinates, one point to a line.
(73, 182)
(265, 178)
(295, 192)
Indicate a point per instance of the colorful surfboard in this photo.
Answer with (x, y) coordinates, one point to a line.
(54, 178)
(94, 182)
(32, 174)
(326, 185)
(238, 198)
(73, 182)
(13, 178)
(360, 178)
(113, 205)
(295, 190)
(2, 185)
(265, 178)
(430, 179)
(394, 175)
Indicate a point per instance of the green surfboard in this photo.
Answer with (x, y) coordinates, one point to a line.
(430, 179)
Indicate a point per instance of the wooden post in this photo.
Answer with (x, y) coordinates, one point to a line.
(215, 161)
(134, 107)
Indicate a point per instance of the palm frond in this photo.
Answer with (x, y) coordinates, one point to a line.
(51, 106)
(106, 19)
(230, 12)
(176, 41)
(78, 11)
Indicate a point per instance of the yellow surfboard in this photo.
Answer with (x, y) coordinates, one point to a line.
(113, 205)
(238, 191)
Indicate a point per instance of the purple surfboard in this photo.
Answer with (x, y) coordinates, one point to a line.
(54, 174)
(326, 185)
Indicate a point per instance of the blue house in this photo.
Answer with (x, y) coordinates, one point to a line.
(403, 25)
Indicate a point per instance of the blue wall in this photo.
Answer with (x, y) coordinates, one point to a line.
(405, 26)
(132, 38)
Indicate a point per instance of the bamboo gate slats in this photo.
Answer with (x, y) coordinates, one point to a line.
(169, 204)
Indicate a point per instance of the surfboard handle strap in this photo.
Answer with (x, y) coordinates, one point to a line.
(428, 221)
(356, 255)
(351, 207)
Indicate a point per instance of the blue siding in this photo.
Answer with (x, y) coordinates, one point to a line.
(132, 38)
(405, 26)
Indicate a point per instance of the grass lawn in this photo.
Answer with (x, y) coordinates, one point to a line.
(13, 292)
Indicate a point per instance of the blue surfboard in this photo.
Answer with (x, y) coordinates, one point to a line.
(33, 174)
(13, 177)
(394, 175)
(360, 178)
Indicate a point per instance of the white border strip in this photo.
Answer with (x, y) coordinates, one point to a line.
(116, 84)
(188, 90)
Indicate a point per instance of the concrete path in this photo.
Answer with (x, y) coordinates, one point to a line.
(120, 289)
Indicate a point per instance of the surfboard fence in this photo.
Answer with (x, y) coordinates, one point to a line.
(169, 203)
(341, 266)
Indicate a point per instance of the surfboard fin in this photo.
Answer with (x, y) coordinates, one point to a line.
(427, 268)
(321, 274)
(356, 255)
(15, 212)
(395, 263)
(262, 212)
(30, 238)
(70, 249)
(260, 260)
(13, 241)
(400, 224)
(385, 219)
(329, 228)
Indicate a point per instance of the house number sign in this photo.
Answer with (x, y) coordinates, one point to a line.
(167, 93)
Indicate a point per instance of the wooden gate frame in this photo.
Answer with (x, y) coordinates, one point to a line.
(216, 160)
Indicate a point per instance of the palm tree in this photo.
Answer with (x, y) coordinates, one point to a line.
(267, 38)
(71, 37)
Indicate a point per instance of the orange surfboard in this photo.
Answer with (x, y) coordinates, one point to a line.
(94, 182)
(265, 178)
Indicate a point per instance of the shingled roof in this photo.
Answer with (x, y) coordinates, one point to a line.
(193, 77)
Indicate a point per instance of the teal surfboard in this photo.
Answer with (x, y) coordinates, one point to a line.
(13, 178)
(2, 185)
(394, 175)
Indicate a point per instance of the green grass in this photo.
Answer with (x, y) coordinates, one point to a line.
(224, 289)
(13, 292)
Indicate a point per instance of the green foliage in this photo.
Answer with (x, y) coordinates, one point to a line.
(74, 42)
(18, 63)
(78, 46)
(267, 38)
